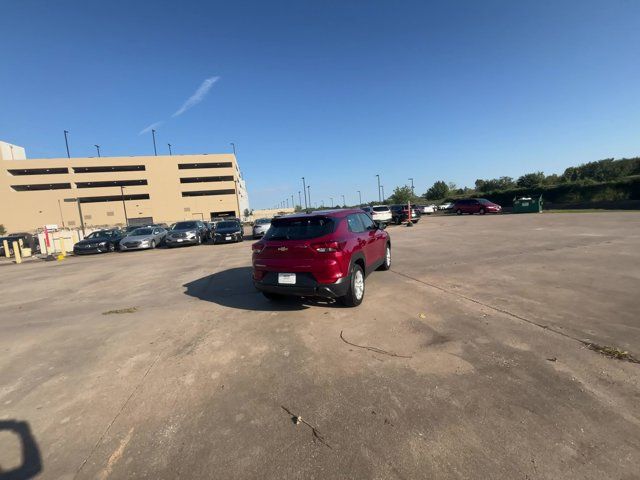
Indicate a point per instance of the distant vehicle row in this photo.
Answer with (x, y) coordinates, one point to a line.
(151, 236)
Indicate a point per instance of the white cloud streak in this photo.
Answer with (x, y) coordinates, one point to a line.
(150, 127)
(198, 96)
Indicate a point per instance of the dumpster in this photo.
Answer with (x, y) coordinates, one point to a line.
(527, 204)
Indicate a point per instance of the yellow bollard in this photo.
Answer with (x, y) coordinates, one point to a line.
(5, 244)
(61, 255)
(16, 252)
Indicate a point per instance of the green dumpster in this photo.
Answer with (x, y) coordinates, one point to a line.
(527, 204)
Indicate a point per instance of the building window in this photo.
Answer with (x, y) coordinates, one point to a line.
(110, 214)
(114, 168)
(224, 178)
(41, 186)
(203, 193)
(115, 198)
(187, 166)
(38, 171)
(111, 183)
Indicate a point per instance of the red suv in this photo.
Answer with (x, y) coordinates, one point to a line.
(476, 205)
(320, 254)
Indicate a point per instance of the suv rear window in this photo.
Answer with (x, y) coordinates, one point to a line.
(300, 228)
(380, 209)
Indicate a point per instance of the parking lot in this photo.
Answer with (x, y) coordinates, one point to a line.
(468, 359)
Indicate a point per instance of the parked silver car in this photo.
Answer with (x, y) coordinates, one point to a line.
(143, 238)
(260, 227)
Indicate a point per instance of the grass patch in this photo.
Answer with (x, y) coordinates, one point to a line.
(121, 311)
(612, 352)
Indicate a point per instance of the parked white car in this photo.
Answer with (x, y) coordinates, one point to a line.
(445, 206)
(379, 213)
(427, 209)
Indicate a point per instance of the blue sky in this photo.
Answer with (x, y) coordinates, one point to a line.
(337, 91)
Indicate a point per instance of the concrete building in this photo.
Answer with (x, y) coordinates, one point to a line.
(163, 188)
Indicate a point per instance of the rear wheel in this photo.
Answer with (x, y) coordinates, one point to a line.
(111, 247)
(459, 212)
(153, 244)
(355, 294)
(387, 258)
(199, 239)
(482, 211)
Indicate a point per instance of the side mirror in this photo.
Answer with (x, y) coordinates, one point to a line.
(381, 225)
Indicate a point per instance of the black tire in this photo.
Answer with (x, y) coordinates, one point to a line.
(398, 221)
(351, 299)
(386, 265)
(111, 247)
(459, 212)
(482, 211)
(273, 297)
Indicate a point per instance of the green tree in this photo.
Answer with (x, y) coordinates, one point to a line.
(2, 229)
(401, 195)
(530, 180)
(437, 191)
(494, 184)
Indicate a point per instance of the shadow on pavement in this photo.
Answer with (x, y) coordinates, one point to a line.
(234, 288)
(31, 462)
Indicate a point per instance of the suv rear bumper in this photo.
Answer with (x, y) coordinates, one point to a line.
(311, 288)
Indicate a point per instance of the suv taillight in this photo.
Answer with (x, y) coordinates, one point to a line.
(327, 247)
(257, 247)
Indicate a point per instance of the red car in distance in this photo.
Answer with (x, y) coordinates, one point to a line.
(476, 205)
(320, 254)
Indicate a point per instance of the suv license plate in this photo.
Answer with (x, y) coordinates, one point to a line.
(227, 238)
(287, 278)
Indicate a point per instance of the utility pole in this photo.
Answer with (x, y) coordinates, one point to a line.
(412, 192)
(304, 189)
(331, 198)
(124, 206)
(153, 134)
(344, 202)
(292, 203)
(66, 142)
(383, 197)
(98, 149)
(309, 194)
(170, 152)
(300, 198)
(379, 199)
(360, 197)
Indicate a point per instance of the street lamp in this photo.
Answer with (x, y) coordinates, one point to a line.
(412, 193)
(300, 198)
(153, 134)
(382, 187)
(344, 202)
(304, 189)
(309, 194)
(124, 206)
(360, 197)
(66, 142)
(379, 199)
(98, 149)
(170, 152)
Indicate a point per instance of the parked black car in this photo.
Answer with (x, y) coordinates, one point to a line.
(28, 241)
(100, 241)
(190, 232)
(400, 213)
(228, 231)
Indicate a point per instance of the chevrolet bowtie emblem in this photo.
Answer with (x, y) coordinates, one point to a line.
(283, 249)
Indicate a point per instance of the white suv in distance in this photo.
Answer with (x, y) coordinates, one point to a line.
(379, 213)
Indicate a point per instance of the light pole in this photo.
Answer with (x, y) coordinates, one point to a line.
(66, 142)
(170, 152)
(360, 197)
(331, 198)
(344, 202)
(292, 203)
(98, 149)
(153, 134)
(287, 202)
(300, 198)
(309, 194)
(383, 197)
(124, 206)
(233, 145)
(379, 199)
(412, 192)
(304, 189)
(61, 217)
